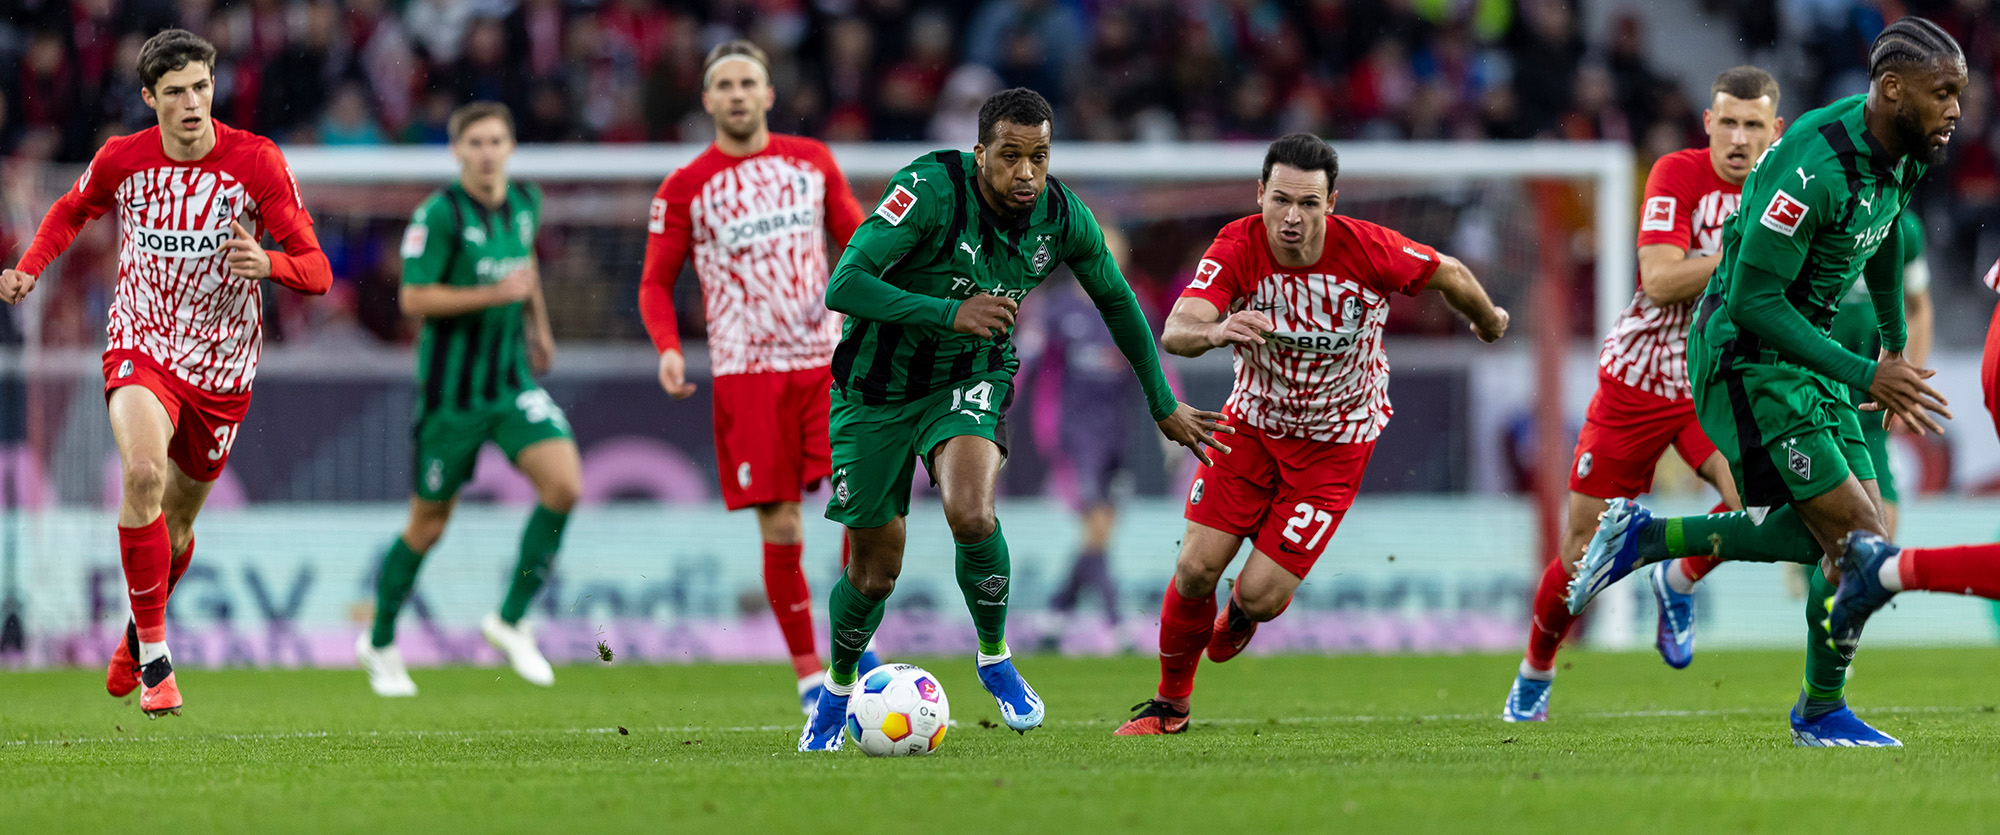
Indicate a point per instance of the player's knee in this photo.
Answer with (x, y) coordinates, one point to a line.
(780, 523)
(972, 523)
(145, 481)
(423, 534)
(560, 496)
(1262, 604)
(1195, 577)
(873, 584)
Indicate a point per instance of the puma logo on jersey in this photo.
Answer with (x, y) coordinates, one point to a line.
(914, 179)
(1805, 180)
(971, 250)
(1865, 203)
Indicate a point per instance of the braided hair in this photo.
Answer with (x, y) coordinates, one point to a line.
(1911, 43)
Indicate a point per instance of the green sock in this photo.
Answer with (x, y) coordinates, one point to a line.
(392, 587)
(982, 577)
(1826, 669)
(1733, 536)
(539, 543)
(852, 619)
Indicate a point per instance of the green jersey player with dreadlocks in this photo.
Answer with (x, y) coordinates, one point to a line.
(1772, 386)
(925, 369)
(469, 270)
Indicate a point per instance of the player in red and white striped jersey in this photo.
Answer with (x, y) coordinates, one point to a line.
(1643, 406)
(1301, 294)
(193, 198)
(759, 211)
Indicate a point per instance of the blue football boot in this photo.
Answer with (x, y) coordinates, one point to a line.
(1613, 551)
(1861, 592)
(1020, 708)
(826, 723)
(1839, 729)
(1527, 700)
(1675, 635)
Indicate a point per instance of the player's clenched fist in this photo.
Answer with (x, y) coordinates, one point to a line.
(1494, 327)
(1244, 327)
(985, 316)
(247, 258)
(14, 286)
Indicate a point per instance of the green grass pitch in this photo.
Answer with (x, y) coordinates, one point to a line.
(1296, 744)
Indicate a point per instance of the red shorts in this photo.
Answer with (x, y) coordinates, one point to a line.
(770, 435)
(1289, 494)
(1989, 369)
(205, 423)
(1623, 437)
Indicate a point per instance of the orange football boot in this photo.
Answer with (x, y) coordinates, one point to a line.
(161, 696)
(1155, 718)
(1232, 631)
(122, 676)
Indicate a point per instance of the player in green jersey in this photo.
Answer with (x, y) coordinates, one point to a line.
(925, 366)
(469, 270)
(1771, 387)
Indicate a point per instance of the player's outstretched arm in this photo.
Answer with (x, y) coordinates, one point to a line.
(438, 301)
(1196, 325)
(1462, 291)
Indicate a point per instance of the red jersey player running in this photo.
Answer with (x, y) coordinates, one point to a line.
(1301, 294)
(758, 210)
(1643, 404)
(193, 197)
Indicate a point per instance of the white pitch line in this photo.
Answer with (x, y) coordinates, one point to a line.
(698, 729)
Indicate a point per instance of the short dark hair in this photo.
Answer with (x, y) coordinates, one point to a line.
(736, 47)
(170, 50)
(468, 113)
(1018, 106)
(1911, 43)
(1304, 152)
(1745, 82)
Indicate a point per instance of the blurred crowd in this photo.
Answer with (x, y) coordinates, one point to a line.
(380, 71)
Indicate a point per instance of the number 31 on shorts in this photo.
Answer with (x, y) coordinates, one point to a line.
(1306, 517)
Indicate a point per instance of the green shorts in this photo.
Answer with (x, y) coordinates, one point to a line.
(875, 448)
(1789, 434)
(447, 441)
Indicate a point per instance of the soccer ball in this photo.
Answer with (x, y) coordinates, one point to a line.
(899, 710)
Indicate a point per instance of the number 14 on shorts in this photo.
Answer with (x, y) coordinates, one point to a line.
(980, 395)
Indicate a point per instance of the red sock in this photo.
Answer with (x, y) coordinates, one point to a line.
(1961, 569)
(180, 566)
(1184, 629)
(148, 559)
(791, 601)
(1551, 617)
(1695, 568)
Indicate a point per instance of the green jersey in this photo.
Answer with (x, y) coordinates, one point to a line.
(933, 242)
(473, 359)
(1819, 209)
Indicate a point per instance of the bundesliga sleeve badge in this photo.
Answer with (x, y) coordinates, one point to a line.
(1784, 214)
(896, 206)
(1659, 215)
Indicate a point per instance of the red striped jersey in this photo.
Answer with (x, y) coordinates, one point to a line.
(1321, 374)
(1686, 202)
(176, 301)
(759, 227)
